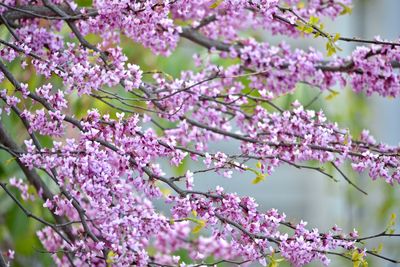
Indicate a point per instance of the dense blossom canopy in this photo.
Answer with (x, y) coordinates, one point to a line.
(105, 165)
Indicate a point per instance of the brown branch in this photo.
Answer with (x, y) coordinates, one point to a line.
(10, 29)
(56, 9)
(2, 261)
(316, 30)
(31, 215)
(33, 178)
(63, 12)
(347, 179)
(382, 257)
(75, 203)
(43, 12)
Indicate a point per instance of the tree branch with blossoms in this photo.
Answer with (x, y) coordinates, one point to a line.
(101, 173)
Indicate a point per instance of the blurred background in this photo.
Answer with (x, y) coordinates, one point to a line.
(300, 194)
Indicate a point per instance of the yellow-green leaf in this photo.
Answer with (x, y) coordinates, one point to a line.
(346, 9)
(300, 28)
(393, 217)
(358, 259)
(330, 48)
(336, 38)
(332, 95)
(110, 257)
(346, 139)
(300, 5)
(274, 262)
(378, 249)
(165, 191)
(392, 223)
(169, 77)
(259, 178)
(313, 20)
(259, 165)
(216, 3)
(200, 225)
(308, 29)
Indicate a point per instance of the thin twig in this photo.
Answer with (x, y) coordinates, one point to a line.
(347, 179)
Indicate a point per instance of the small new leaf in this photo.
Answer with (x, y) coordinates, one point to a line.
(216, 3)
(346, 9)
(259, 165)
(194, 212)
(308, 29)
(346, 139)
(392, 224)
(358, 259)
(165, 191)
(378, 249)
(313, 20)
(274, 262)
(330, 48)
(332, 95)
(110, 258)
(259, 178)
(300, 5)
(259, 175)
(200, 225)
(336, 37)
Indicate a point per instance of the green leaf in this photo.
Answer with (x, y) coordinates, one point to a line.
(300, 5)
(84, 3)
(346, 9)
(358, 259)
(308, 29)
(216, 3)
(259, 175)
(331, 47)
(392, 221)
(378, 249)
(259, 165)
(165, 191)
(336, 38)
(259, 178)
(198, 227)
(274, 262)
(313, 20)
(332, 95)
(194, 212)
(300, 28)
(200, 224)
(110, 258)
(346, 139)
(392, 224)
